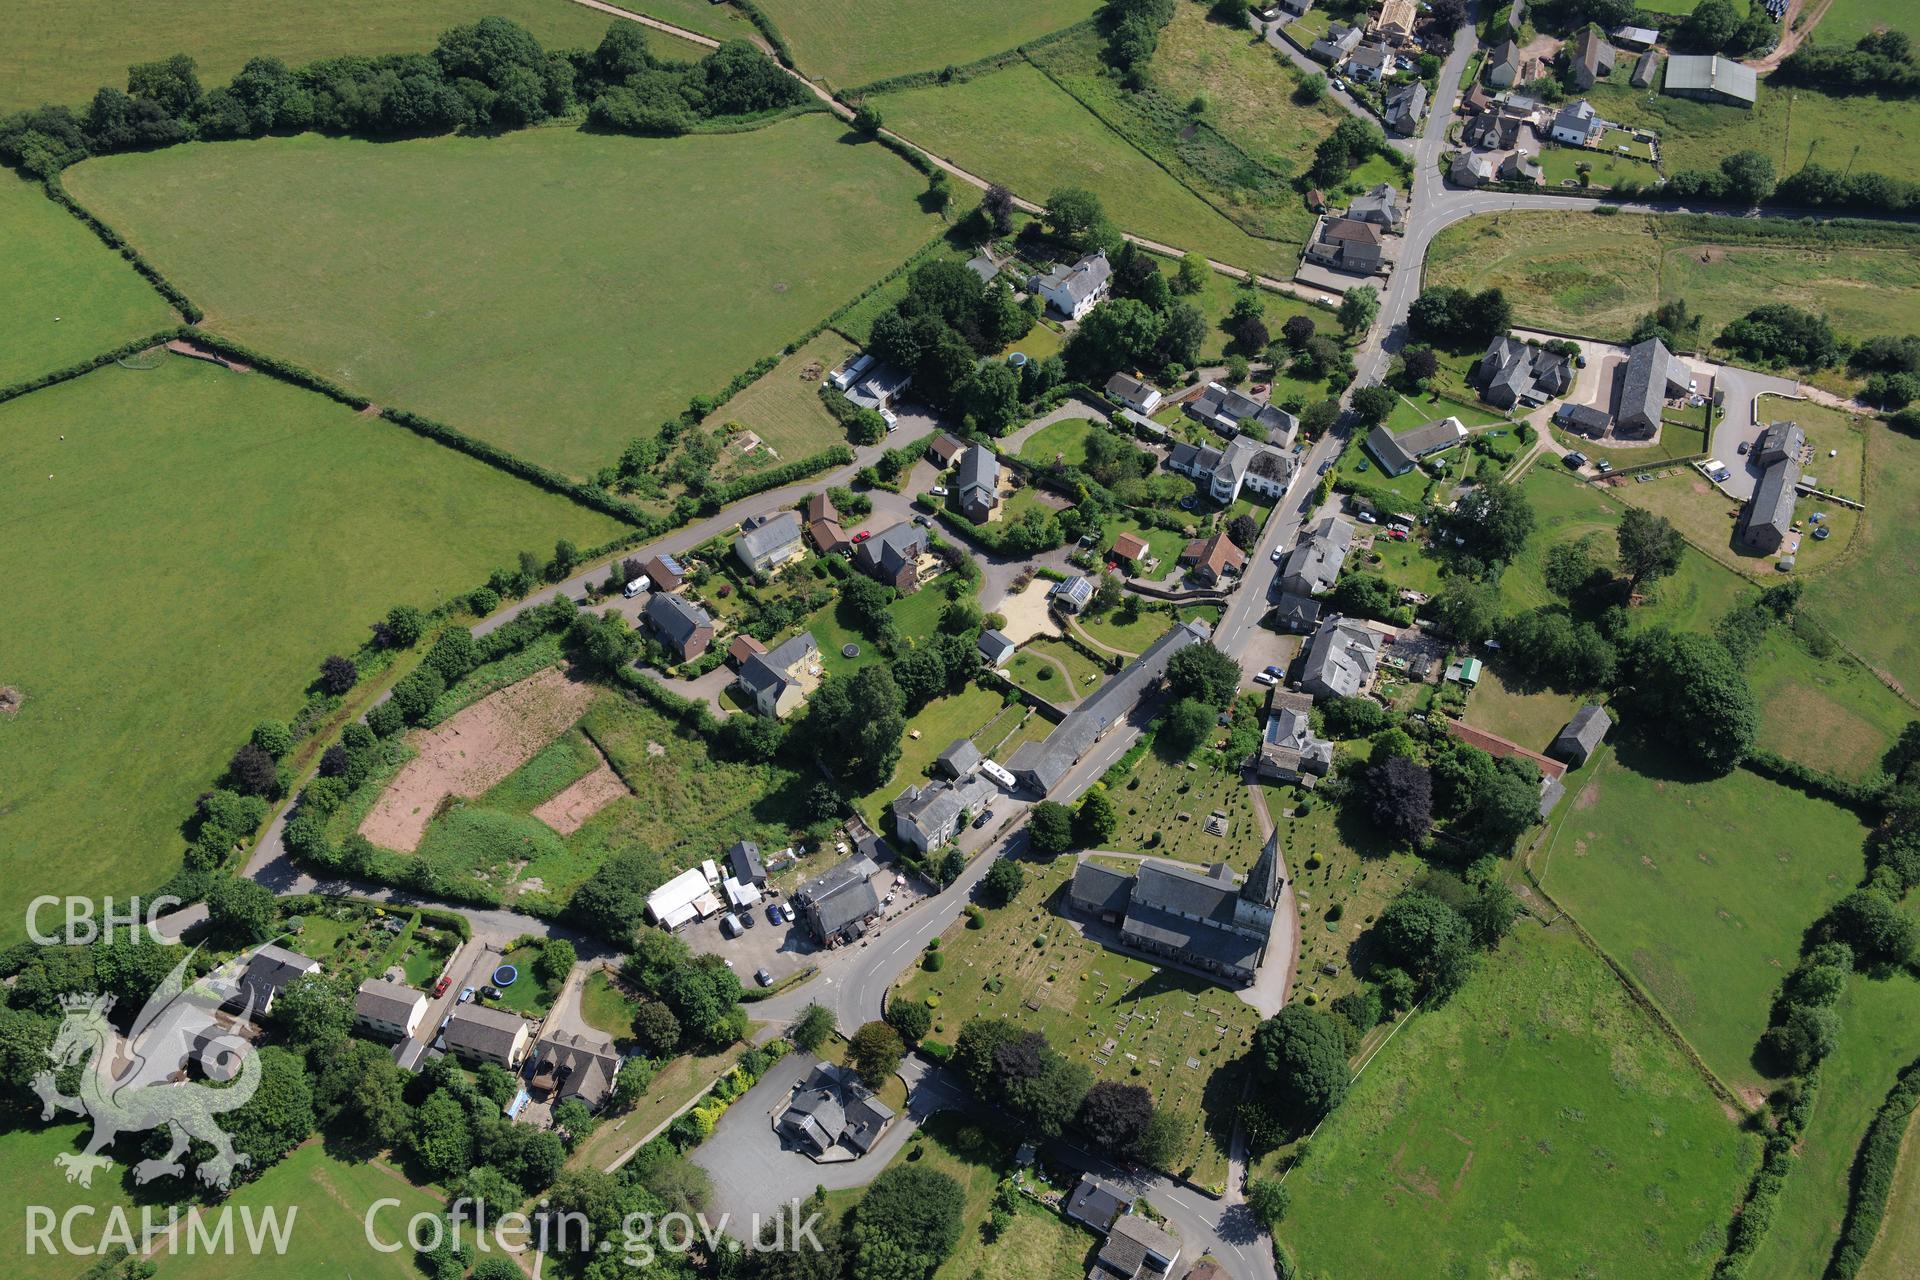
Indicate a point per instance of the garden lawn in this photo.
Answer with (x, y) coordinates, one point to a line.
(1098, 1006)
(1133, 633)
(850, 43)
(940, 723)
(553, 292)
(1879, 1036)
(60, 51)
(1065, 439)
(1054, 670)
(1702, 889)
(1597, 275)
(27, 1149)
(1853, 598)
(182, 483)
(1538, 1124)
(1560, 165)
(1829, 431)
(1017, 127)
(1359, 466)
(606, 1007)
(783, 408)
(69, 297)
(1530, 718)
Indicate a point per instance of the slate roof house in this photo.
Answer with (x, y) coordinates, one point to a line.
(1779, 441)
(837, 903)
(269, 971)
(1592, 58)
(1712, 78)
(1503, 64)
(1398, 452)
(387, 1009)
(1472, 168)
(1125, 389)
(1289, 751)
(1369, 63)
(1767, 518)
(767, 542)
(682, 626)
(977, 484)
(830, 1109)
(476, 1034)
(892, 555)
(1136, 1249)
(1652, 374)
(1073, 291)
(1583, 419)
(1514, 372)
(996, 650)
(1096, 1204)
(1041, 765)
(927, 816)
(1341, 658)
(1206, 921)
(1224, 472)
(1334, 47)
(1576, 124)
(570, 1064)
(744, 861)
(775, 683)
(1582, 735)
(1225, 410)
(1405, 104)
(1347, 244)
(1212, 559)
(959, 759)
(1380, 206)
(1315, 561)
(1296, 613)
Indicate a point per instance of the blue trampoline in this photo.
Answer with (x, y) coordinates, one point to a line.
(505, 975)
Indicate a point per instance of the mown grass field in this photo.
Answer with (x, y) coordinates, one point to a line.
(1847, 20)
(1098, 1006)
(940, 723)
(28, 1149)
(1828, 712)
(1537, 1125)
(69, 297)
(1702, 888)
(1528, 717)
(1017, 127)
(783, 408)
(160, 605)
(1597, 275)
(554, 292)
(849, 43)
(1886, 549)
(60, 51)
(721, 21)
(1896, 1253)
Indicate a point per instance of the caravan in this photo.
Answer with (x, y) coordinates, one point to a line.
(638, 585)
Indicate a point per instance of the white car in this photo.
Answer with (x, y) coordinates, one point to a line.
(1263, 678)
(1366, 517)
(938, 491)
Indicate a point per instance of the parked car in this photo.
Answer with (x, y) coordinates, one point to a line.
(440, 987)
(1603, 467)
(1743, 446)
(1366, 517)
(1576, 459)
(863, 535)
(1278, 555)
(773, 913)
(1398, 535)
(730, 926)
(746, 918)
(1325, 467)
(925, 522)
(1263, 679)
(491, 992)
(763, 977)
(938, 491)
(1273, 671)
(466, 994)
(986, 816)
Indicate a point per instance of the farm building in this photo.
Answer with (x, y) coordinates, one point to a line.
(1712, 78)
(1582, 735)
(1398, 452)
(685, 898)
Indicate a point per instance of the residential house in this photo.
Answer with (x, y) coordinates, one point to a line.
(1231, 413)
(1073, 291)
(1347, 244)
(1334, 47)
(1204, 920)
(776, 683)
(831, 1109)
(1296, 613)
(742, 647)
(1472, 168)
(1129, 391)
(1369, 63)
(1576, 125)
(768, 541)
(893, 555)
(1041, 765)
(879, 389)
(1592, 59)
(1395, 21)
(1316, 560)
(1212, 560)
(996, 650)
(823, 525)
(945, 448)
(1712, 78)
(1476, 101)
(1242, 464)
(837, 904)
(959, 759)
(926, 817)
(1096, 1204)
(1583, 419)
(1070, 596)
(476, 1034)
(1341, 658)
(1519, 166)
(743, 859)
(1513, 372)
(1128, 549)
(1503, 65)
(1405, 104)
(269, 971)
(1582, 735)
(1636, 37)
(388, 1009)
(1381, 206)
(664, 572)
(1767, 518)
(687, 897)
(575, 1064)
(977, 485)
(984, 267)
(1289, 751)
(1779, 441)
(1651, 376)
(1398, 452)
(1136, 1249)
(1645, 69)
(682, 626)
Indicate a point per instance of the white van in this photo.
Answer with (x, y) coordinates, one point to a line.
(638, 585)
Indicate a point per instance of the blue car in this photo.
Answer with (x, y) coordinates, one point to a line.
(773, 913)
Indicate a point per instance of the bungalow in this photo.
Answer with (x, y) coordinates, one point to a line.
(1712, 78)
(1073, 291)
(1316, 560)
(1503, 65)
(1472, 168)
(768, 541)
(575, 1064)
(1341, 659)
(926, 817)
(1347, 244)
(1652, 375)
(1212, 559)
(1130, 392)
(1592, 59)
(1399, 452)
(1233, 413)
(682, 626)
(1070, 596)
(851, 370)
(879, 388)
(776, 683)
(945, 448)
(1514, 372)
(1096, 1204)
(1289, 751)
(475, 1034)
(996, 650)
(1380, 206)
(270, 970)
(893, 555)
(1334, 47)
(1582, 735)
(388, 1009)
(977, 484)
(1404, 107)
(1576, 125)
(664, 572)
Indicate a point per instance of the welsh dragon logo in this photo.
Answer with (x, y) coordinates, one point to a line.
(142, 1087)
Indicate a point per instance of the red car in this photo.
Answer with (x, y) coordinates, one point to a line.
(440, 987)
(863, 535)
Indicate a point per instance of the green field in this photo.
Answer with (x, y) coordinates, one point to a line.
(1065, 440)
(1588, 274)
(1885, 550)
(1538, 1125)
(175, 490)
(28, 1149)
(940, 723)
(1055, 670)
(849, 43)
(60, 51)
(553, 292)
(607, 1007)
(783, 408)
(69, 297)
(1017, 127)
(1896, 1253)
(1528, 717)
(1702, 889)
(1097, 1005)
(1847, 20)
(1561, 165)
(1828, 712)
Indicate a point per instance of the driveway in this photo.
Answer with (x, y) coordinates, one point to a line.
(1740, 424)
